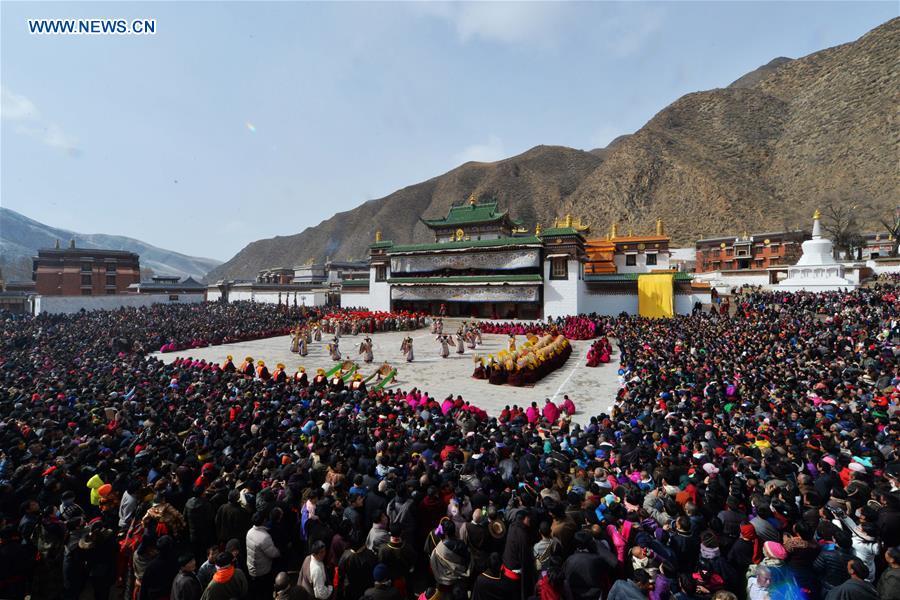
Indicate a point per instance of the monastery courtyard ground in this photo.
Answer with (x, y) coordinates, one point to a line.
(592, 389)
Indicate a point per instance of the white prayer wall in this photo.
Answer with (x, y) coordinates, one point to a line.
(72, 304)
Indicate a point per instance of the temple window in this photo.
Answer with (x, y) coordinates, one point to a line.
(380, 272)
(630, 260)
(559, 268)
(651, 260)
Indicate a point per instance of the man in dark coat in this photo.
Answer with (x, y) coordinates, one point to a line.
(490, 585)
(232, 521)
(186, 586)
(855, 587)
(518, 560)
(382, 588)
(198, 513)
(588, 571)
(156, 584)
(355, 570)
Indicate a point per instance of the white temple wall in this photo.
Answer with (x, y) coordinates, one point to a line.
(379, 293)
(561, 296)
(356, 300)
(609, 304)
(684, 303)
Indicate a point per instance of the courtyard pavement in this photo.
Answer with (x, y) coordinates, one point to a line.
(592, 390)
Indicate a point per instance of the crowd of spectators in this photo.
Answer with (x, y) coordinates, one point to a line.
(751, 454)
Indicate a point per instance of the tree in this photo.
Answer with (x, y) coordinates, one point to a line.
(146, 274)
(892, 224)
(840, 218)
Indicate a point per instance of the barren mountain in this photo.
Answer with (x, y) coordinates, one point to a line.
(758, 155)
(533, 185)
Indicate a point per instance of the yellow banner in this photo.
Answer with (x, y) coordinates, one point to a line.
(656, 295)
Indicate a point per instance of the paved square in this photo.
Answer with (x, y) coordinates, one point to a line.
(592, 390)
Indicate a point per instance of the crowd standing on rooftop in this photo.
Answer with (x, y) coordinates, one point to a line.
(751, 454)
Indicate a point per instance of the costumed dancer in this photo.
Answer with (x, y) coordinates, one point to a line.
(460, 343)
(334, 349)
(365, 348)
(470, 339)
(444, 341)
(406, 348)
(295, 340)
(512, 342)
(317, 333)
(477, 331)
(303, 346)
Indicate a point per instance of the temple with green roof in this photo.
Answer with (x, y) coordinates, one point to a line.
(484, 264)
(473, 220)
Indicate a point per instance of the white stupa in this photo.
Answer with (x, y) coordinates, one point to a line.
(816, 271)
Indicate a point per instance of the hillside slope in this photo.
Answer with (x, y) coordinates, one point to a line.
(761, 154)
(21, 237)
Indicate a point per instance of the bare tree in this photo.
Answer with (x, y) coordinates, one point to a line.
(892, 224)
(147, 274)
(840, 218)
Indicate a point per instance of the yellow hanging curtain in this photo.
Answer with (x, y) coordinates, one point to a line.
(656, 295)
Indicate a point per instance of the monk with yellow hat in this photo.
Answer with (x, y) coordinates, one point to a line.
(320, 380)
(247, 367)
(301, 377)
(228, 365)
(278, 375)
(358, 385)
(261, 371)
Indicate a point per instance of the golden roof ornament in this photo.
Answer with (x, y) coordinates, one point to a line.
(568, 220)
(537, 229)
(613, 230)
(472, 199)
(817, 215)
(377, 235)
(659, 227)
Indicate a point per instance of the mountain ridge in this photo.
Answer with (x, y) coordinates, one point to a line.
(758, 154)
(21, 237)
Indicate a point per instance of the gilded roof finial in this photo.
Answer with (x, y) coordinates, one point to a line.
(377, 235)
(817, 215)
(568, 220)
(537, 229)
(614, 231)
(659, 227)
(472, 199)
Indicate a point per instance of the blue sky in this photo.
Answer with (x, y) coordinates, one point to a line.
(153, 136)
